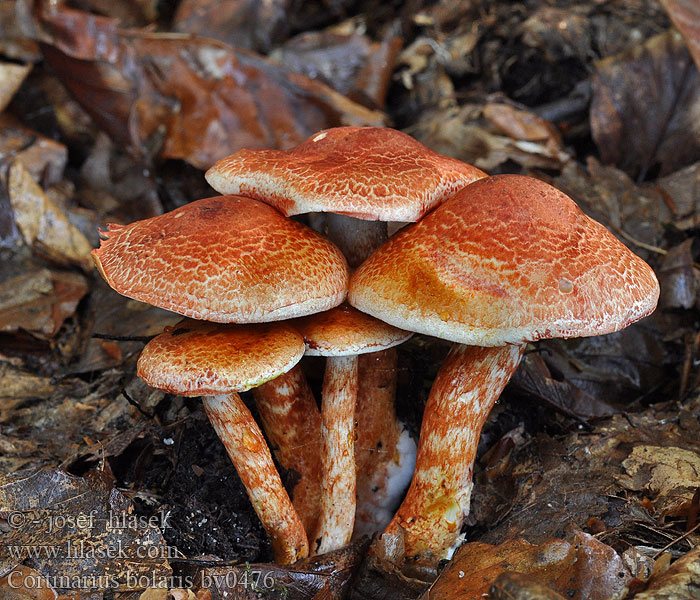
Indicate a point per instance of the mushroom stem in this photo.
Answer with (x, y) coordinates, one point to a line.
(466, 388)
(337, 514)
(292, 423)
(250, 455)
(356, 238)
(385, 453)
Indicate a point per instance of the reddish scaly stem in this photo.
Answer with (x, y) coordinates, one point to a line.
(292, 423)
(338, 482)
(465, 389)
(250, 455)
(385, 453)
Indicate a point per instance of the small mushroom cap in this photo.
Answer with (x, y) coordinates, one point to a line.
(345, 331)
(198, 358)
(227, 259)
(508, 259)
(371, 173)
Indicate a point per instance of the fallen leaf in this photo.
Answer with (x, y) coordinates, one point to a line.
(323, 577)
(534, 378)
(43, 225)
(490, 134)
(583, 568)
(23, 583)
(11, 77)
(44, 158)
(685, 15)
(39, 301)
(516, 586)
(244, 23)
(181, 96)
(645, 106)
(669, 474)
(78, 532)
(610, 196)
(678, 278)
(681, 581)
(351, 64)
(112, 314)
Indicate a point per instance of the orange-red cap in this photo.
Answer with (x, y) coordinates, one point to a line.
(345, 331)
(198, 358)
(507, 259)
(371, 173)
(227, 259)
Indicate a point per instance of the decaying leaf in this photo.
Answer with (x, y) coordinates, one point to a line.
(678, 278)
(319, 577)
(43, 225)
(645, 106)
(247, 24)
(11, 77)
(632, 212)
(349, 63)
(78, 532)
(681, 581)
(569, 480)
(23, 583)
(115, 315)
(516, 586)
(535, 379)
(40, 300)
(490, 134)
(44, 158)
(685, 15)
(583, 568)
(182, 96)
(670, 475)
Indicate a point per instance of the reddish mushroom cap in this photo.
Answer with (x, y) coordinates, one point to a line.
(225, 259)
(508, 259)
(198, 358)
(345, 331)
(371, 173)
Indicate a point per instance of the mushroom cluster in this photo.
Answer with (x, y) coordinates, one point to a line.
(491, 264)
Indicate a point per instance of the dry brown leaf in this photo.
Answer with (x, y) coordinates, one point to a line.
(534, 378)
(43, 225)
(685, 15)
(582, 569)
(351, 64)
(182, 96)
(11, 77)
(611, 197)
(481, 135)
(71, 527)
(23, 583)
(13, 43)
(39, 301)
(678, 277)
(247, 24)
(515, 586)
(43, 157)
(323, 577)
(670, 475)
(645, 107)
(681, 581)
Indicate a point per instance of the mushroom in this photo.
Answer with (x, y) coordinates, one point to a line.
(507, 260)
(361, 177)
(341, 334)
(225, 259)
(215, 361)
(292, 422)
